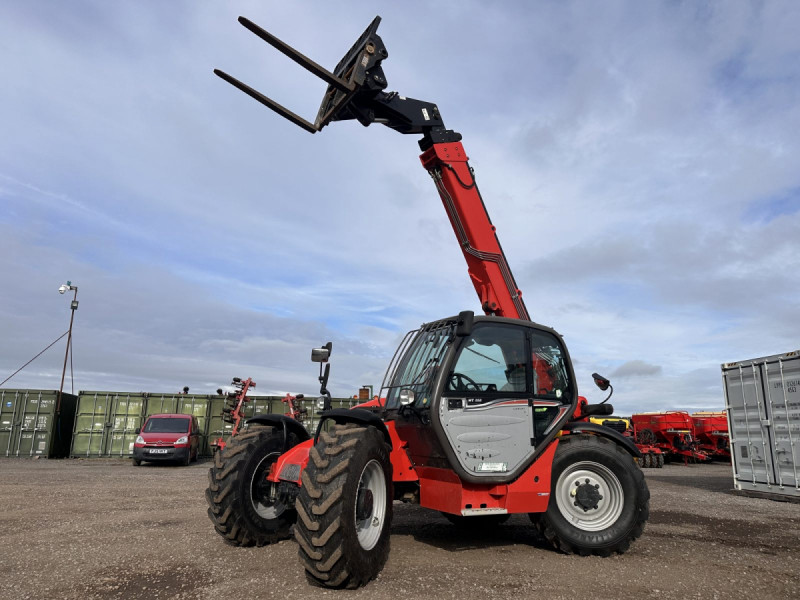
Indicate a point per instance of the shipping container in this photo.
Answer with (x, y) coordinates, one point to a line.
(35, 423)
(762, 398)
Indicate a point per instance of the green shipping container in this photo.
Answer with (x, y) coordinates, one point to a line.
(33, 424)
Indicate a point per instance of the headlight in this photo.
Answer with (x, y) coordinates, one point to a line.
(139, 439)
(321, 403)
(182, 440)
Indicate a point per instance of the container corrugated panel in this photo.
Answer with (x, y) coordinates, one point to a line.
(161, 404)
(33, 424)
(763, 403)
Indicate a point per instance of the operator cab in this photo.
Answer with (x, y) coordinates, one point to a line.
(478, 391)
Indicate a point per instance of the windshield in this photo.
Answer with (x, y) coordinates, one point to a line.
(167, 425)
(418, 364)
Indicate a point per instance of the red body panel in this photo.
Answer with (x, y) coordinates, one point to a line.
(441, 489)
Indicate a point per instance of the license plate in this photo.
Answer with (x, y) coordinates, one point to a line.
(159, 451)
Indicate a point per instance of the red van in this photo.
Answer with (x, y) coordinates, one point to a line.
(167, 437)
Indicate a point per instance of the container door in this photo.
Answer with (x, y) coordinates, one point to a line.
(91, 420)
(127, 415)
(10, 405)
(782, 383)
(751, 446)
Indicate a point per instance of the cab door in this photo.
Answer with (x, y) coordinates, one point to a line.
(506, 389)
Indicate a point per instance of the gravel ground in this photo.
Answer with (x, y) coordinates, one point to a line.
(102, 529)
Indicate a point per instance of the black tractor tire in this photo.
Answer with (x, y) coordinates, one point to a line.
(644, 463)
(599, 500)
(241, 510)
(660, 461)
(478, 522)
(344, 507)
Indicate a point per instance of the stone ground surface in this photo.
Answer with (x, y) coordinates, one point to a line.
(74, 529)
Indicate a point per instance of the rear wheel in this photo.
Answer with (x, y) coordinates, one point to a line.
(660, 462)
(344, 507)
(245, 508)
(599, 501)
(136, 462)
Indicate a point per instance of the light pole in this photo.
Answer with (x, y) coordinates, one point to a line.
(74, 306)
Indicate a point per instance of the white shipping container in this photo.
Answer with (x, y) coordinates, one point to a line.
(762, 398)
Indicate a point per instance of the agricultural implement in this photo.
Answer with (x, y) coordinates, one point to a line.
(478, 417)
(671, 432)
(711, 431)
(233, 411)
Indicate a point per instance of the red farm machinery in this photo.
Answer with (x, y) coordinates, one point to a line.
(478, 417)
(670, 433)
(234, 410)
(711, 432)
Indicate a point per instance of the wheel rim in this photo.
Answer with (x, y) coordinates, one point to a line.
(589, 496)
(370, 505)
(262, 495)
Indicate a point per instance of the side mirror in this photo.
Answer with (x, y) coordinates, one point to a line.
(464, 325)
(321, 355)
(138, 430)
(601, 381)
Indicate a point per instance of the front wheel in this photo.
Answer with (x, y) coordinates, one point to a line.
(599, 501)
(344, 508)
(246, 508)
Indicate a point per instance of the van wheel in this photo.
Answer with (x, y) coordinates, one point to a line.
(599, 501)
(245, 508)
(136, 462)
(344, 507)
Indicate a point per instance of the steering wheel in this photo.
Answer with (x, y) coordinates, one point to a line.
(460, 382)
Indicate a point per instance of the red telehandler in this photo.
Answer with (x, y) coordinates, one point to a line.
(479, 416)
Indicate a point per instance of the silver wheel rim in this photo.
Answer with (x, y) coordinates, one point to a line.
(607, 486)
(265, 510)
(368, 529)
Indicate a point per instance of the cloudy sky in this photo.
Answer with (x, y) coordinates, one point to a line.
(639, 159)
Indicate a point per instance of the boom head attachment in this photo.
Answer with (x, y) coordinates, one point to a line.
(355, 90)
(359, 73)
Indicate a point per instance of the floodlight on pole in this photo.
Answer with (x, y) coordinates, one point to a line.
(73, 306)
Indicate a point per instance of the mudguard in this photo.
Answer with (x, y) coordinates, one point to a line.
(286, 424)
(354, 415)
(616, 436)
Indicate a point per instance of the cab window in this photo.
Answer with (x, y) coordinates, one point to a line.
(491, 359)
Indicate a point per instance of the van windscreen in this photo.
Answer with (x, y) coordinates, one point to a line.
(167, 425)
